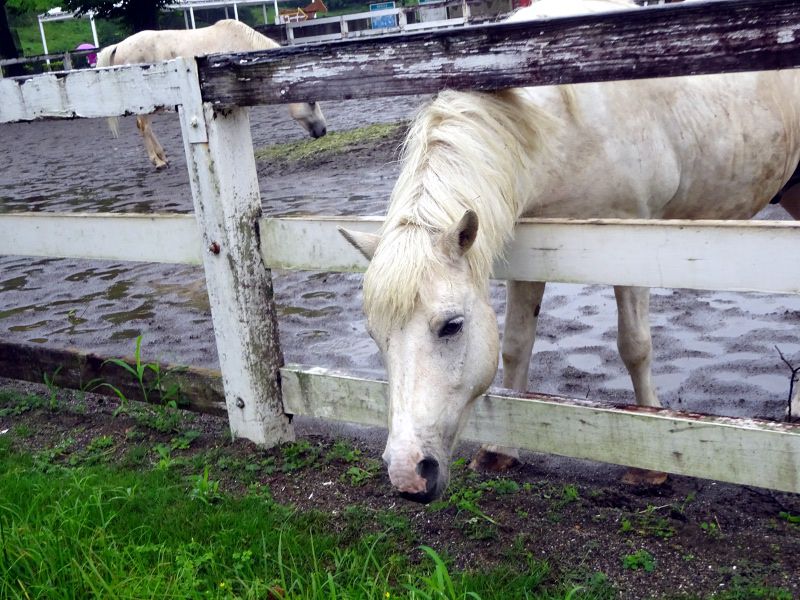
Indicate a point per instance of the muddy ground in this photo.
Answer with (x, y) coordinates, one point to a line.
(688, 539)
(714, 352)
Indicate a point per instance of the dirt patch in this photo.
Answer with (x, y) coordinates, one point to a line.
(690, 538)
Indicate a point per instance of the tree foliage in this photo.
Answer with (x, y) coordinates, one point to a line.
(138, 14)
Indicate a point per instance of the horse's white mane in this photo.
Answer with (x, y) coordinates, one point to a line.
(463, 151)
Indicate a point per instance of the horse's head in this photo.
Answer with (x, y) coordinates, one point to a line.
(438, 336)
(310, 117)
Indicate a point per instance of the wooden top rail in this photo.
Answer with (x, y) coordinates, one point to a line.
(659, 41)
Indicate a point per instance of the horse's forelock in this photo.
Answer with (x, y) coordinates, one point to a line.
(464, 151)
(404, 259)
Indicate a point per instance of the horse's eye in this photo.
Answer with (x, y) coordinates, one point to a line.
(452, 327)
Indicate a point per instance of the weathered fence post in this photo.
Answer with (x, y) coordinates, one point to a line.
(227, 204)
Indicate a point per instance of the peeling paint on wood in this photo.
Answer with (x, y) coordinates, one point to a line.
(664, 41)
(115, 91)
(743, 451)
(227, 202)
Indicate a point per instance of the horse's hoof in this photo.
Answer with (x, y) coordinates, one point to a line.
(644, 477)
(486, 461)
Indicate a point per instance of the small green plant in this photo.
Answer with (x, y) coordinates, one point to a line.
(45, 461)
(648, 523)
(97, 451)
(341, 451)
(569, 494)
(23, 431)
(641, 559)
(440, 583)
(13, 404)
(52, 389)
(358, 476)
(501, 487)
(299, 455)
(789, 517)
(165, 460)
(184, 440)
(150, 379)
(711, 528)
(204, 489)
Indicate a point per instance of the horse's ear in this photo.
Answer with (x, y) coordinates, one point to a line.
(460, 237)
(366, 243)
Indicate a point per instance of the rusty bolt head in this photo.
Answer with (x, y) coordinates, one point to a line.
(214, 248)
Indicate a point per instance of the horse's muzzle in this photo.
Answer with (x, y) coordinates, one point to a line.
(428, 469)
(318, 131)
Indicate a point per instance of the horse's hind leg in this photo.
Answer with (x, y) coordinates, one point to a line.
(523, 302)
(636, 349)
(154, 150)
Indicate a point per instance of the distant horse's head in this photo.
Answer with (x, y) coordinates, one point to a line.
(439, 341)
(310, 117)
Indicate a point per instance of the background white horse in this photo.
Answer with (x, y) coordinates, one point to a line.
(710, 147)
(224, 36)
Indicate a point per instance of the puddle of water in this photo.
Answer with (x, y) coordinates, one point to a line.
(15, 283)
(313, 334)
(30, 327)
(141, 312)
(320, 294)
(118, 290)
(126, 334)
(309, 313)
(4, 314)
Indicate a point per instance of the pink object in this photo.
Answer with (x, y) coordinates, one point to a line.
(90, 58)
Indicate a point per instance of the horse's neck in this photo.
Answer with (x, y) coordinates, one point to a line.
(471, 151)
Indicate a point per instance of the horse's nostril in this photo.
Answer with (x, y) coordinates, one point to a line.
(428, 469)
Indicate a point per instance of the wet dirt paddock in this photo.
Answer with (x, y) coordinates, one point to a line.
(714, 352)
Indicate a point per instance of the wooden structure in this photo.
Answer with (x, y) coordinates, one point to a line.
(237, 246)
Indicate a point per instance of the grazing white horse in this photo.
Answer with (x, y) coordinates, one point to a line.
(224, 36)
(706, 147)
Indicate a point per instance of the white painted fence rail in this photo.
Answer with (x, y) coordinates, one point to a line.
(237, 247)
(701, 255)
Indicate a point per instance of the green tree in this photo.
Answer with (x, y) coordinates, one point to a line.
(8, 46)
(138, 14)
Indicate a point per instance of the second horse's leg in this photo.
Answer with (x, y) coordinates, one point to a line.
(154, 150)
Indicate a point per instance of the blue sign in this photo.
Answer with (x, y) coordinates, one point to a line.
(386, 20)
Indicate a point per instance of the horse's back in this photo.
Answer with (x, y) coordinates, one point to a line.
(545, 9)
(227, 35)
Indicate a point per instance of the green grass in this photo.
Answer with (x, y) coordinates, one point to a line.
(63, 35)
(93, 529)
(335, 142)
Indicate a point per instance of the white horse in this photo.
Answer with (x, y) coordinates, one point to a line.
(706, 147)
(224, 36)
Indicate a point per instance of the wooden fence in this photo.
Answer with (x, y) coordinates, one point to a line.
(237, 246)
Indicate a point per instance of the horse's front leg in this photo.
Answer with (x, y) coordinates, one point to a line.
(634, 342)
(154, 150)
(636, 349)
(523, 302)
